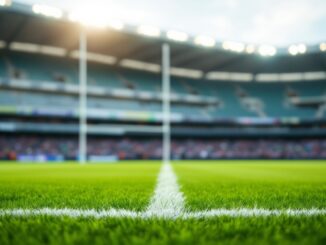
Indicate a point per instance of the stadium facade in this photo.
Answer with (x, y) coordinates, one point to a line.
(228, 100)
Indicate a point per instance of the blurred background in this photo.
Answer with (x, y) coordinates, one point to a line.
(248, 79)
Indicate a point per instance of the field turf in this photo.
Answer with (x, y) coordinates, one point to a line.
(127, 186)
(205, 185)
(272, 185)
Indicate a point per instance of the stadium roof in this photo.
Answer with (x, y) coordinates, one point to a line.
(21, 23)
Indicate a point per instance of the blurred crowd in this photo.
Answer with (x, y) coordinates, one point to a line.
(14, 147)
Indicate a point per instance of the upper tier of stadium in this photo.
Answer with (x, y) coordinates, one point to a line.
(39, 74)
(45, 82)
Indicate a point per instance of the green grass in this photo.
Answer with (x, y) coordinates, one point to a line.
(49, 230)
(274, 185)
(205, 185)
(99, 186)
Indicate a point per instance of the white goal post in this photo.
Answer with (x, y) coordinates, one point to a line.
(166, 107)
(166, 122)
(82, 156)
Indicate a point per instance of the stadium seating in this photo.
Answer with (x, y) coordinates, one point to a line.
(42, 68)
(142, 81)
(275, 103)
(272, 96)
(38, 100)
(125, 148)
(310, 88)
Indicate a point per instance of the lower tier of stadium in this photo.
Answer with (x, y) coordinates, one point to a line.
(45, 148)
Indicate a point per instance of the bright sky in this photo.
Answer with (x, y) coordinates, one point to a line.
(277, 22)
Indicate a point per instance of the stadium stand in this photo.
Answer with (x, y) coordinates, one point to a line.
(33, 147)
(213, 117)
(237, 98)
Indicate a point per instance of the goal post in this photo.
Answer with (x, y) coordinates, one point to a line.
(82, 153)
(166, 97)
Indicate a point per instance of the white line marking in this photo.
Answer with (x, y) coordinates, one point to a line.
(74, 213)
(168, 200)
(121, 213)
(167, 203)
(255, 212)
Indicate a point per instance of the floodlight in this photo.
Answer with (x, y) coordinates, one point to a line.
(297, 49)
(116, 24)
(85, 20)
(2, 44)
(293, 50)
(238, 47)
(267, 50)
(86, 17)
(250, 48)
(177, 36)
(48, 11)
(205, 41)
(150, 31)
(5, 3)
(233, 46)
(322, 47)
(225, 45)
(302, 48)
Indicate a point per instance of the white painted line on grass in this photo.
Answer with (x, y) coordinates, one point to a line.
(67, 212)
(255, 212)
(168, 200)
(121, 213)
(166, 203)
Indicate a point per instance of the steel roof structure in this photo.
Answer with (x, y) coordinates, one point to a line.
(18, 23)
